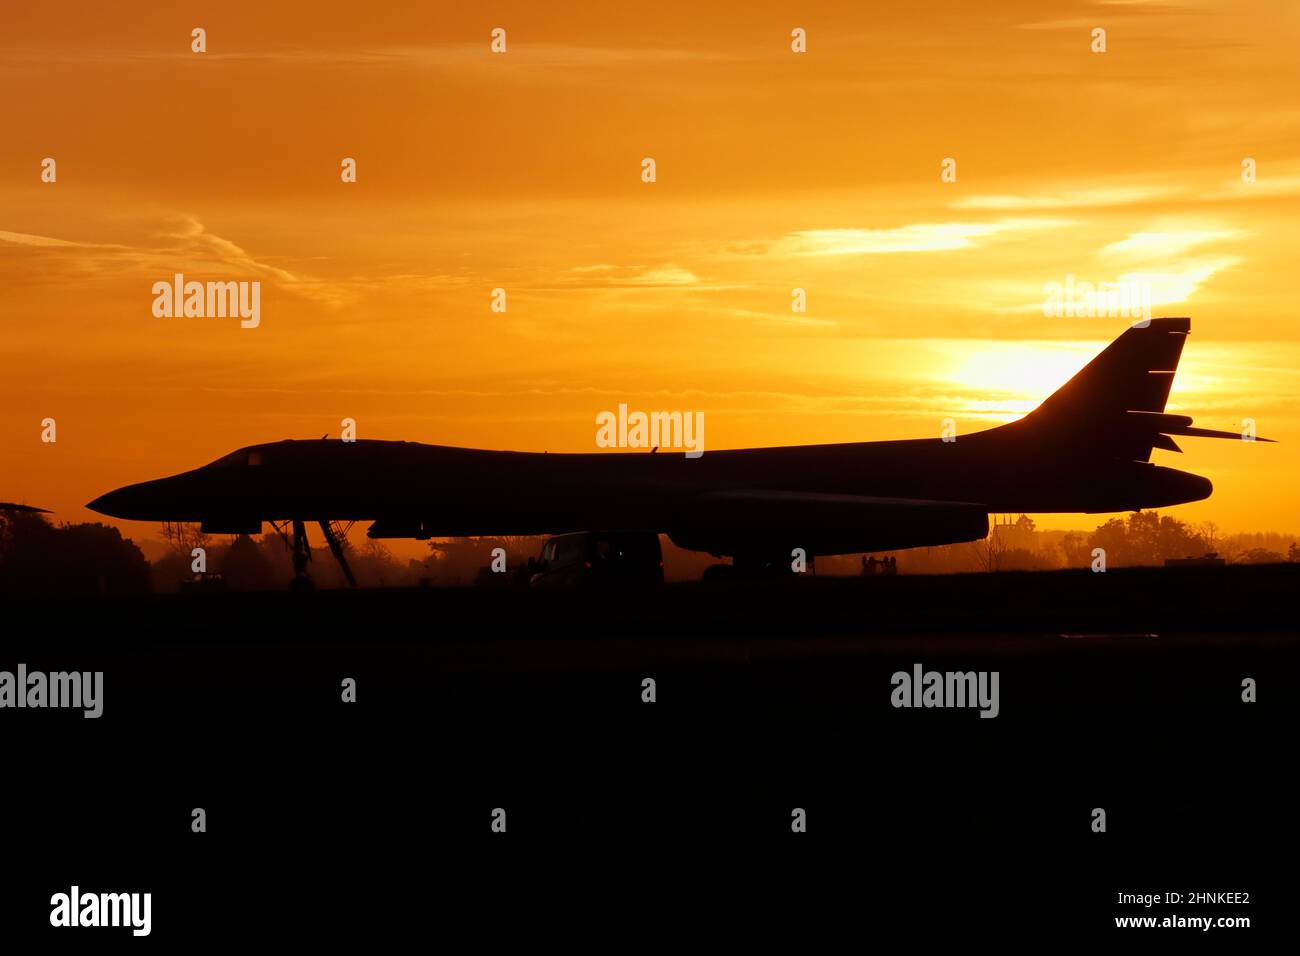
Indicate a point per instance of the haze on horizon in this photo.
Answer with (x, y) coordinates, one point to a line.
(521, 171)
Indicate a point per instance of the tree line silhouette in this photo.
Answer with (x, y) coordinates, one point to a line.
(1138, 539)
(36, 554)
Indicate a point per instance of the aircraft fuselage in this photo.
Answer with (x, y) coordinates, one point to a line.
(462, 491)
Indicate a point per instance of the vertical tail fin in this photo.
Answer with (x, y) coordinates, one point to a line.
(1097, 407)
(1115, 406)
(1133, 374)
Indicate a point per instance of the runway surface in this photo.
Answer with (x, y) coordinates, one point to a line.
(1121, 691)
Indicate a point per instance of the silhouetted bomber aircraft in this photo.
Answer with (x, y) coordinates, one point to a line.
(1087, 448)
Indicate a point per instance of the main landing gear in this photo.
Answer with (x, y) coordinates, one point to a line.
(294, 535)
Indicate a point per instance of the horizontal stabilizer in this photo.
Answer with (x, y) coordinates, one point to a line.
(1157, 422)
(1214, 433)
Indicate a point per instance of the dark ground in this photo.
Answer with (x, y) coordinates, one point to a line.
(375, 816)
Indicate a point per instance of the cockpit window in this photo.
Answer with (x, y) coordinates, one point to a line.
(239, 459)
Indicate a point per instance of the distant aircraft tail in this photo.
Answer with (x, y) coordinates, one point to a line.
(1116, 403)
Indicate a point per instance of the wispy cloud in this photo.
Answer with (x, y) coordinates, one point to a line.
(1171, 286)
(1163, 244)
(605, 276)
(188, 247)
(781, 318)
(666, 275)
(1265, 187)
(24, 239)
(917, 237)
(1068, 199)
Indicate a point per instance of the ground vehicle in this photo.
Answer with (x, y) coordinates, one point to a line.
(599, 558)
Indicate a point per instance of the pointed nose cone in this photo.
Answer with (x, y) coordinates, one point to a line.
(133, 503)
(111, 504)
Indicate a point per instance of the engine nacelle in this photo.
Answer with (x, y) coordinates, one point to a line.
(823, 525)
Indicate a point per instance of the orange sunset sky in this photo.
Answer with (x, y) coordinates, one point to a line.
(522, 170)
